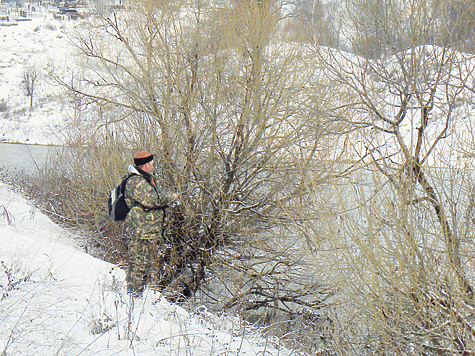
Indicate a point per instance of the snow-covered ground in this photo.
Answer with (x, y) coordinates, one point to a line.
(36, 46)
(54, 298)
(58, 300)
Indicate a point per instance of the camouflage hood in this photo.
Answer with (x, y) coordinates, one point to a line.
(132, 169)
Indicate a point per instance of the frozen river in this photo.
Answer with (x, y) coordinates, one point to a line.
(17, 159)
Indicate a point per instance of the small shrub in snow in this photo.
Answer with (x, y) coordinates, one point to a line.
(50, 26)
(10, 281)
(102, 324)
(113, 284)
(6, 216)
(3, 106)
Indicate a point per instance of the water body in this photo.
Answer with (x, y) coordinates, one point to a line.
(21, 159)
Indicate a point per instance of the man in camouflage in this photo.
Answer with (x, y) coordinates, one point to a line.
(143, 225)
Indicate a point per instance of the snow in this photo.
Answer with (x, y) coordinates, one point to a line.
(39, 44)
(55, 298)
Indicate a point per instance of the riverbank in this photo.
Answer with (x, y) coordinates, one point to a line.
(24, 159)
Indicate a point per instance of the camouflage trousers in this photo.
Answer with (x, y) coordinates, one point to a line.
(142, 255)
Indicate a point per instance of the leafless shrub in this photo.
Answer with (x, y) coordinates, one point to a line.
(11, 274)
(3, 106)
(222, 105)
(399, 235)
(5, 214)
(30, 76)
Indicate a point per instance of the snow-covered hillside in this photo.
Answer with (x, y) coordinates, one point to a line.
(37, 45)
(57, 300)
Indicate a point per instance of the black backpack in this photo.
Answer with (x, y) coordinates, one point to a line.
(118, 208)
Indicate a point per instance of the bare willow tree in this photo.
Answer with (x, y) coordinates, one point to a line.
(314, 21)
(30, 76)
(402, 238)
(210, 89)
(457, 23)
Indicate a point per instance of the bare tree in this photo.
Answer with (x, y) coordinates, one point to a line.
(315, 21)
(456, 20)
(377, 27)
(402, 234)
(30, 75)
(222, 102)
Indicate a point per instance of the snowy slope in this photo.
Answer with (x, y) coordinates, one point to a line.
(55, 299)
(39, 45)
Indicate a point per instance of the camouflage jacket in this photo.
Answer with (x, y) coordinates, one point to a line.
(147, 203)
